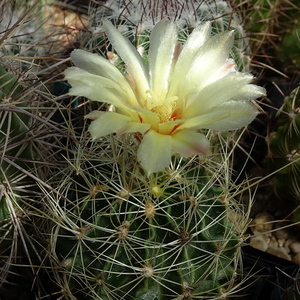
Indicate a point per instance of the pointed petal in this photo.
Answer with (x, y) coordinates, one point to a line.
(97, 65)
(196, 39)
(106, 123)
(217, 93)
(99, 94)
(76, 76)
(155, 151)
(250, 92)
(162, 44)
(130, 56)
(188, 143)
(231, 115)
(93, 115)
(240, 114)
(203, 120)
(80, 80)
(210, 58)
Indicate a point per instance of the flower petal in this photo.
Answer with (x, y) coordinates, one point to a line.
(106, 123)
(147, 116)
(231, 115)
(134, 127)
(196, 39)
(169, 127)
(98, 87)
(94, 87)
(240, 114)
(162, 44)
(249, 92)
(188, 143)
(210, 58)
(155, 151)
(76, 76)
(97, 65)
(93, 115)
(130, 56)
(217, 93)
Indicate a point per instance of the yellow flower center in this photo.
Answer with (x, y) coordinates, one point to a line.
(164, 111)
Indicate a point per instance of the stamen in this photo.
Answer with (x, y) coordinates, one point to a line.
(164, 112)
(165, 108)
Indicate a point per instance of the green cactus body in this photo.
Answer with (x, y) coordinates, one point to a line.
(284, 147)
(121, 235)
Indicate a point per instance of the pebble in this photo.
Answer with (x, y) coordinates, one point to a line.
(295, 247)
(262, 223)
(288, 242)
(281, 242)
(271, 232)
(281, 234)
(258, 242)
(276, 250)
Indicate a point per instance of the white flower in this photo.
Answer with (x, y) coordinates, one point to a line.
(183, 89)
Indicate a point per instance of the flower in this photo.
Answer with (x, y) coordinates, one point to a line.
(182, 89)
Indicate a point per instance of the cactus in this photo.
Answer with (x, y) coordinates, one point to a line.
(283, 156)
(111, 230)
(118, 234)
